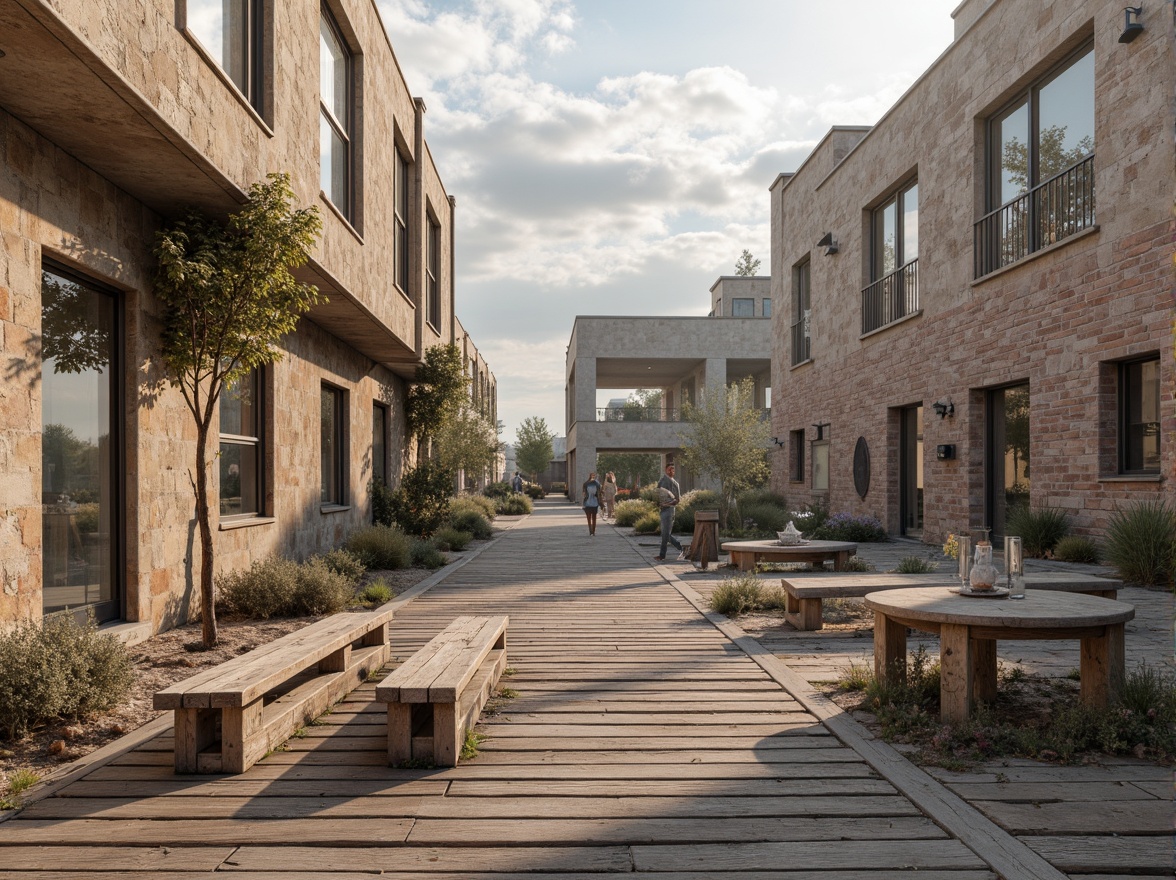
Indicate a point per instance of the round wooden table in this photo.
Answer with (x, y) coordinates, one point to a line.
(745, 554)
(969, 629)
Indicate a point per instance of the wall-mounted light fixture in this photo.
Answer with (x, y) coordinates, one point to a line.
(943, 408)
(1132, 27)
(778, 441)
(820, 426)
(828, 244)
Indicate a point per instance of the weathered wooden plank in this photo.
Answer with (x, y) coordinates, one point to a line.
(1043, 792)
(244, 785)
(682, 787)
(1089, 855)
(1128, 818)
(544, 875)
(75, 859)
(207, 832)
(388, 859)
(857, 855)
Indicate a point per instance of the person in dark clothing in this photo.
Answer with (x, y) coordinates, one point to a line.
(591, 501)
(669, 494)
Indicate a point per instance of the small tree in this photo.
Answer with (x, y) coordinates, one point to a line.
(438, 392)
(466, 440)
(228, 298)
(727, 441)
(533, 450)
(746, 265)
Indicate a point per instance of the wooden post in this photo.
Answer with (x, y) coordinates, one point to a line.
(889, 649)
(195, 730)
(337, 661)
(448, 735)
(810, 615)
(955, 671)
(1102, 667)
(239, 725)
(984, 670)
(399, 733)
(375, 637)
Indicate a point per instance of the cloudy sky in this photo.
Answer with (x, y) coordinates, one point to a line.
(613, 157)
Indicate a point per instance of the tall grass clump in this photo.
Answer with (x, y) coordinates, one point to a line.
(743, 593)
(628, 512)
(1074, 548)
(426, 555)
(860, 528)
(381, 547)
(648, 523)
(320, 590)
(472, 521)
(915, 565)
(1141, 543)
(1040, 528)
(277, 587)
(698, 499)
(58, 668)
(764, 516)
(477, 503)
(344, 562)
(452, 539)
(514, 505)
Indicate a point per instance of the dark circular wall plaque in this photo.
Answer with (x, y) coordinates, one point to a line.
(861, 467)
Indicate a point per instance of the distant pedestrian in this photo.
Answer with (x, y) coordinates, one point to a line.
(609, 494)
(517, 483)
(591, 501)
(669, 493)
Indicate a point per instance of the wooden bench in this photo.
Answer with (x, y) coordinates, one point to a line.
(436, 695)
(804, 592)
(228, 717)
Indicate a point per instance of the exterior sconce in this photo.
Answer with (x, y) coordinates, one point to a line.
(1132, 27)
(945, 452)
(778, 441)
(943, 409)
(828, 244)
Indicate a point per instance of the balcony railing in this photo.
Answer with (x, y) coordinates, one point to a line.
(891, 297)
(637, 414)
(800, 341)
(1046, 214)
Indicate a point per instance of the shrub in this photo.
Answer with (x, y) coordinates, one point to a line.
(473, 522)
(420, 504)
(859, 528)
(344, 562)
(426, 555)
(559, 488)
(648, 523)
(477, 503)
(763, 496)
(628, 512)
(58, 668)
(1074, 548)
(319, 590)
(1040, 528)
(534, 490)
(699, 499)
(915, 565)
(1141, 543)
(383, 506)
(811, 518)
(743, 593)
(376, 593)
(380, 547)
(453, 539)
(264, 590)
(648, 493)
(856, 563)
(497, 490)
(764, 516)
(514, 505)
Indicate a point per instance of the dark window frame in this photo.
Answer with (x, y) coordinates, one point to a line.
(433, 274)
(796, 454)
(766, 307)
(345, 128)
(380, 463)
(802, 306)
(741, 300)
(254, 45)
(1124, 399)
(338, 465)
(400, 246)
(256, 441)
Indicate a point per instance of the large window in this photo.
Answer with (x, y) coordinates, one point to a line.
(1139, 417)
(801, 311)
(767, 307)
(241, 451)
(335, 115)
(80, 446)
(433, 273)
(229, 31)
(380, 444)
(400, 256)
(742, 307)
(796, 455)
(1040, 167)
(894, 260)
(332, 449)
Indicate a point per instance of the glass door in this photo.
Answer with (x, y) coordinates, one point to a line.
(910, 470)
(1007, 458)
(81, 510)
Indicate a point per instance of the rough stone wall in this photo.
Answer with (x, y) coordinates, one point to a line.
(1055, 319)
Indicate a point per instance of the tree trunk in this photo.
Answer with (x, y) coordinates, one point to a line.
(207, 610)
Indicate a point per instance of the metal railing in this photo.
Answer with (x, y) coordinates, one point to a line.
(637, 414)
(801, 342)
(1048, 213)
(891, 297)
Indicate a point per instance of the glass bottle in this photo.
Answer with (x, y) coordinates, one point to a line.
(1015, 566)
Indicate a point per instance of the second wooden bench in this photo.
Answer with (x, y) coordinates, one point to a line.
(436, 695)
(804, 592)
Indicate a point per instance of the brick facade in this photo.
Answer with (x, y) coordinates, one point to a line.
(1059, 319)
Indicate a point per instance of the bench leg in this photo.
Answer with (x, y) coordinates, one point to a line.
(399, 733)
(841, 561)
(810, 615)
(336, 662)
(1102, 667)
(956, 673)
(448, 735)
(984, 670)
(195, 730)
(240, 727)
(889, 649)
(375, 637)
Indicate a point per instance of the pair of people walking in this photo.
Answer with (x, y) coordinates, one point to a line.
(599, 495)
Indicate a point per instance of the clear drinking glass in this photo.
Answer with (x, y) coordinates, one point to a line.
(965, 560)
(1015, 566)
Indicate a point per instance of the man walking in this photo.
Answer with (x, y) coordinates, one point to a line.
(669, 494)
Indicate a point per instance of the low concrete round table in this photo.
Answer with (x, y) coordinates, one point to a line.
(745, 554)
(969, 628)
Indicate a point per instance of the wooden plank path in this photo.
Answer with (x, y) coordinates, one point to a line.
(642, 740)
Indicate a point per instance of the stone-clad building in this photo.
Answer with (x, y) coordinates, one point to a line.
(114, 117)
(974, 298)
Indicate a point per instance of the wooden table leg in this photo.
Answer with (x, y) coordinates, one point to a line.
(955, 673)
(743, 561)
(984, 670)
(841, 561)
(889, 649)
(1103, 666)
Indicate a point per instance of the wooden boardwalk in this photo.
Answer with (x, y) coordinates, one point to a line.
(643, 739)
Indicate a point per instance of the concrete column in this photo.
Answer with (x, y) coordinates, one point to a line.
(583, 464)
(584, 405)
(716, 376)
